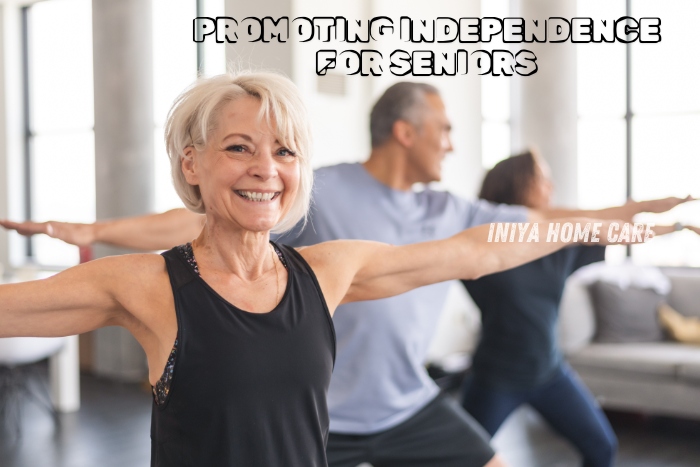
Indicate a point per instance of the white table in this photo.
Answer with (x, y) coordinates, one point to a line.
(64, 376)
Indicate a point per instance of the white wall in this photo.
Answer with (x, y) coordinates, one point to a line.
(462, 170)
(341, 122)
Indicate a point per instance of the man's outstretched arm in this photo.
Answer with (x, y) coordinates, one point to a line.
(150, 232)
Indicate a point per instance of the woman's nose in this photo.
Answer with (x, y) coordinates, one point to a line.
(262, 165)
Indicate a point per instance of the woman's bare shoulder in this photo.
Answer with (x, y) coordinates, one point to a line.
(129, 278)
(336, 250)
(140, 283)
(320, 253)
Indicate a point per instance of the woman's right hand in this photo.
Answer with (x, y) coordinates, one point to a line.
(73, 233)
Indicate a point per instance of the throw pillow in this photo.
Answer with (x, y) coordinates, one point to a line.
(625, 315)
(684, 329)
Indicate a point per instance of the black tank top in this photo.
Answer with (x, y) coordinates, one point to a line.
(247, 389)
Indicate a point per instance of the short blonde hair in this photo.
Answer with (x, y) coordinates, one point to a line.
(194, 115)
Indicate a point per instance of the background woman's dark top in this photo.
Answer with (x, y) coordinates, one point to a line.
(247, 389)
(519, 310)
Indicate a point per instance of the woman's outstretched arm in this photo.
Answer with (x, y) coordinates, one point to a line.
(668, 229)
(105, 292)
(351, 271)
(150, 232)
(624, 212)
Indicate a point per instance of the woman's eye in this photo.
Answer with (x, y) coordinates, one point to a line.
(236, 148)
(285, 152)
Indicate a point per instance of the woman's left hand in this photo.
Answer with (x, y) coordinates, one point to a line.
(663, 204)
(692, 228)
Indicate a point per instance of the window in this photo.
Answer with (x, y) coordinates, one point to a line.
(60, 151)
(639, 111)
(495, 99)
(602, 104)
(665, 106)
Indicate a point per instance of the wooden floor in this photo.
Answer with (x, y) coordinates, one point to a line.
(526, 441)
(112, 430)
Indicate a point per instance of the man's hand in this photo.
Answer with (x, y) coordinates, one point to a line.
(75, 234)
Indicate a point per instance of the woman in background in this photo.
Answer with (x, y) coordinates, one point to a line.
(517, 360)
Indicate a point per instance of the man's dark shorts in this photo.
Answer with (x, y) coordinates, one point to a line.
(441, 434)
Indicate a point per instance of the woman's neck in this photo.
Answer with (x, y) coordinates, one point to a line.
(237, 251)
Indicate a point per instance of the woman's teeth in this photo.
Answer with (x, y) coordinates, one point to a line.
(255, 196)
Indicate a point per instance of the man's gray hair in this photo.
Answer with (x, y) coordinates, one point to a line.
(402, 101)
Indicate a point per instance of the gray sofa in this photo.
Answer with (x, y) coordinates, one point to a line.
(661, 378)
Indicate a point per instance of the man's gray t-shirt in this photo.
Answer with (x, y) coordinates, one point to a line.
(379, 378)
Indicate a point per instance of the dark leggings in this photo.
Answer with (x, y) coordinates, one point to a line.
(564, 402)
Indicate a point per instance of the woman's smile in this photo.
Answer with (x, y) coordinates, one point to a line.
(258, 196)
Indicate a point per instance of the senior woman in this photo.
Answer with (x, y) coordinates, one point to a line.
(237, 330)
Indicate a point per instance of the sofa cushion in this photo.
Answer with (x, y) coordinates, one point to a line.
(654, 359)
(576, 326)
(681, 328)
(627, 315)
(626, 275)
(685, 294)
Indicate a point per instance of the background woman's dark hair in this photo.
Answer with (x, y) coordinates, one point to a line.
(508, 181)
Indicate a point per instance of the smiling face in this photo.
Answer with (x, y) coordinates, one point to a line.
(431, 142)
(246, 176)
